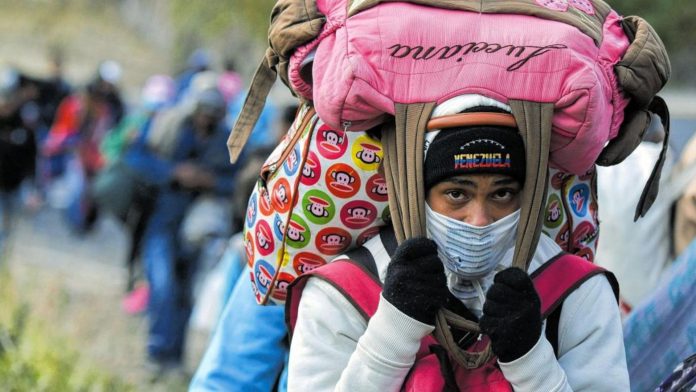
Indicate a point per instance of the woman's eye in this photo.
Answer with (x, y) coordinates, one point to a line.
(456, 195)
(503, 194)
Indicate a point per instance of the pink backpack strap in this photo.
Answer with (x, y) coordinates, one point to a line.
(351, 279)
(560, 276)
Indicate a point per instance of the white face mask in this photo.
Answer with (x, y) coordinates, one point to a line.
(468, 251)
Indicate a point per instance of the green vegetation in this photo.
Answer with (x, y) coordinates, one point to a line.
(209, 19)
(235, 28)
(33, 359)
(674, 20)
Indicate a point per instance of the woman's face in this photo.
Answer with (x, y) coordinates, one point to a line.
(477, 199)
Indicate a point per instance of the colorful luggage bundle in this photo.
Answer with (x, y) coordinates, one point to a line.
(581, 82)
(320, 194)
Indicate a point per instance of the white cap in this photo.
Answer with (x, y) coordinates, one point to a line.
(110, 71)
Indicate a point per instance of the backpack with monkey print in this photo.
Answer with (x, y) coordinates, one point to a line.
(318, 195)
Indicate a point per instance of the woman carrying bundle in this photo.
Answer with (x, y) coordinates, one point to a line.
(474, 176)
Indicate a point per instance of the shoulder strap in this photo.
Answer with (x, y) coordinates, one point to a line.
(560, 276)
(355, 276)
(659, 115)
(364, 258)
(556, 279)
(351, 279)
(255, 100)
(534, 121)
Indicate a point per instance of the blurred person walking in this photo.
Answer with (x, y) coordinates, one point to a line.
(17, 144)
(198, 61)
(657, 289)
(641, 252)
(106, 82)
(125, 186)
(53, 89)
(685, 210)
(27, 107)
(661, 331)
(72, 151)
(197, 166)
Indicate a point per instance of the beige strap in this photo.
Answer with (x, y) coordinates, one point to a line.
(403, 168)
(255, 100)
(390, 171)
(534, 122)
(444, 322)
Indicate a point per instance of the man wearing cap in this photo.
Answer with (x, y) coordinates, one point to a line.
(197, 165)
(473, 177)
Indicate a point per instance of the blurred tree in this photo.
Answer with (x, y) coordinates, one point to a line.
(197, 22)
(674, 20)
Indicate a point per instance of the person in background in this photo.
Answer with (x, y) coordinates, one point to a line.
(159, 138)
(660, 331)
(156, 95)
(637, 252)
(685, 209)
(72, 148)
(124, 186)
(248, 350)
(106, 82)
(17, 144)
(41, 113)
(57, 88)
(198, 61)
(230, 82)
(197, 165)
(641, 252)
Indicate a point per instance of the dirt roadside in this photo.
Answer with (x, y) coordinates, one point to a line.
(75, 285)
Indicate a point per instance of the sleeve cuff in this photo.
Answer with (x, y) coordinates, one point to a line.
(537, 370)
(393, 336)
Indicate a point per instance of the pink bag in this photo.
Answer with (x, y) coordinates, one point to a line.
(369, 55)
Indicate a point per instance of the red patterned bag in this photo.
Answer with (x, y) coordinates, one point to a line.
(318, 195)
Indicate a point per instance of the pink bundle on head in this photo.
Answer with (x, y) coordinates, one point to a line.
(580, 81)
(363, 67)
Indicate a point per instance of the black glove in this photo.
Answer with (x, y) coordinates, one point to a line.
(512, 314)
(415, 282)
